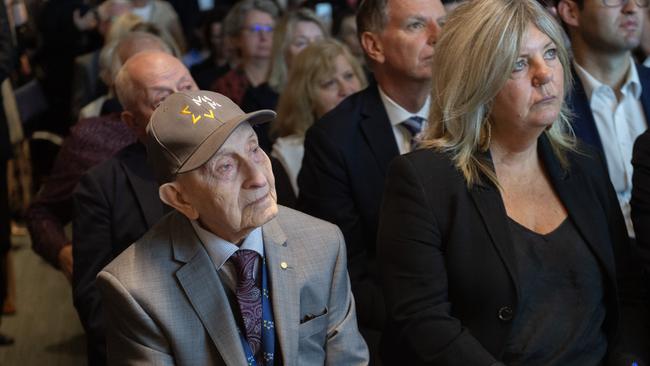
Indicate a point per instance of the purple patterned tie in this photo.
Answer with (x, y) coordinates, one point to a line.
(249, 296)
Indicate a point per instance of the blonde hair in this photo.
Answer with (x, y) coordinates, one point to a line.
(282, 37)
(474, 58)
(297, 104)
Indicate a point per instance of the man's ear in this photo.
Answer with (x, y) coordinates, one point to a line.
(373, 47)
(171, 194)
(569, 12)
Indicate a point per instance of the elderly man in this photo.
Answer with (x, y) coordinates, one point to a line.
(348, 150)
(91, 141)
(117, 201)
(228, 278)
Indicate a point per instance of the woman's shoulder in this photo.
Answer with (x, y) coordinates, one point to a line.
(428, 164)
(428, 157)
(290, 141)
(291, 144)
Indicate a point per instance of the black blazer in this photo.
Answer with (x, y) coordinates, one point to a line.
(449, 275)
(342, 179)
(640, 201)
(115, 202)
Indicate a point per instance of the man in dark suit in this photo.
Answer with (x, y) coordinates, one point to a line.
(611, 105)
(91, 141)
(611, 97)
(348, 150)
(117, 202)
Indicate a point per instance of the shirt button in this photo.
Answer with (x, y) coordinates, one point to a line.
(505, 313)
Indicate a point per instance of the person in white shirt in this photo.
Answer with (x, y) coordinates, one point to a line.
(611, 98)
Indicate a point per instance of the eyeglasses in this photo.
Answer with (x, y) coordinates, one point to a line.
(263, 28)
(615, 3)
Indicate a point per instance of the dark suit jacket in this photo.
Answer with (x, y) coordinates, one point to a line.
(448, 266)
(640, 201)
(584, 124)
(342, 180)
(115, 204)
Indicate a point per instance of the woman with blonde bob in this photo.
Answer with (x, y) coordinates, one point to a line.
(496, 238)
(323, 75)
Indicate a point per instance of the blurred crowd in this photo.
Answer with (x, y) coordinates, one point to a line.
(485, 165)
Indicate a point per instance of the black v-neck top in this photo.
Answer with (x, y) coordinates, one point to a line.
(560, 311)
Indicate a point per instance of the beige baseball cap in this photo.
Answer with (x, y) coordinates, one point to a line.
(189, 127)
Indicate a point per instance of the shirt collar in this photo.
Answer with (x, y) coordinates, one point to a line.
(397, 114)
(220, 250)
(632, 84)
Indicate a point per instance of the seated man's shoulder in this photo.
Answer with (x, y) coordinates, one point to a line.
(149, 258)
(345, 116)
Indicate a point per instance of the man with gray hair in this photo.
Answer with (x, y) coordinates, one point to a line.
(117, 201)
(91, 141)
(229, 277)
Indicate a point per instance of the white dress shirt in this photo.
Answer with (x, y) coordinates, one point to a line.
(397, 115)
(220, 251)
(619, 123)
(289, 151)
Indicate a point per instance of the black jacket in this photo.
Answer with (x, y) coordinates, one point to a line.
(447, 261)
(342, 179)
(115, 202)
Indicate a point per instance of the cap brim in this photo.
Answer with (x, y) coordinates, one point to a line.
(216, 139)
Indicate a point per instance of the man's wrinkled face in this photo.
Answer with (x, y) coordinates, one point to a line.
(234, 191)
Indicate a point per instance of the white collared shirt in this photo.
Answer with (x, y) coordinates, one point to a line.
(220, 251)
(619, 123)
(397, 115)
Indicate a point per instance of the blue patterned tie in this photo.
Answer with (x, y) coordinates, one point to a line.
(414, 125)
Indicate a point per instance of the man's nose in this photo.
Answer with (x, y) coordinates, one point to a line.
(254, 171)
(434, 32)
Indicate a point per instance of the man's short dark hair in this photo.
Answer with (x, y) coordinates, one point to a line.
(371, 16)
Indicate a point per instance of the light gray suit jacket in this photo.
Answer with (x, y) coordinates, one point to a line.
(165, 303)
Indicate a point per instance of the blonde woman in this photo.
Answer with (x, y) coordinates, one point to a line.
(323, 75)
(496, 240)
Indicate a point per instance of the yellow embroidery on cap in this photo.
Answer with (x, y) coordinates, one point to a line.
(196, 118)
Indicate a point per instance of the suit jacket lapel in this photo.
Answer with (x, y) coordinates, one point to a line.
(584, 124)
(490, 206)
(571, 188)
(206, 293)
(144, 183)
(377, 128)
(284, 289)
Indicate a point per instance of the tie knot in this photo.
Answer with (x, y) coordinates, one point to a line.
(244, 261)
(413, 124)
